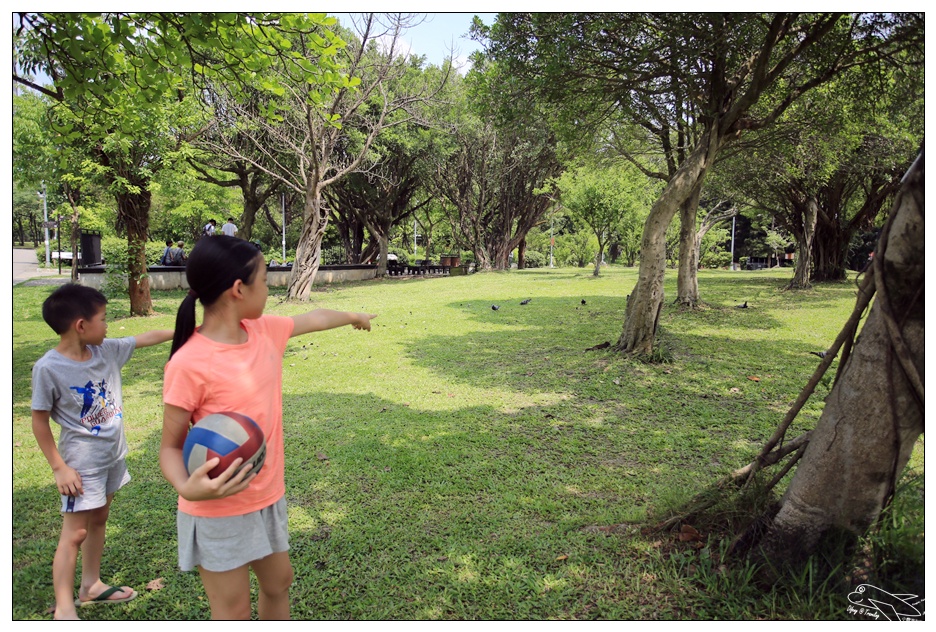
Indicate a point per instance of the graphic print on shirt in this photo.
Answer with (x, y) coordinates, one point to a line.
(97, 405)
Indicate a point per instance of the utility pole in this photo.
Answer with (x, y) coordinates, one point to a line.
(732, 241)
(45, 220)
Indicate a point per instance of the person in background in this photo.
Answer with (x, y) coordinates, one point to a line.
(164, 259)
(228, 228)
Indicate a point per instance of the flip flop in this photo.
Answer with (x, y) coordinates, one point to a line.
(104, 597)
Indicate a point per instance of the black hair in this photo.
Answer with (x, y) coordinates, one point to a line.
(169, 242)
(212, 268)
(69, 303)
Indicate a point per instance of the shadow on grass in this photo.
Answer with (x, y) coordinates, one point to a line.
(405, 513)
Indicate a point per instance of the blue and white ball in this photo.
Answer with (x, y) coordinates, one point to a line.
(227, 436)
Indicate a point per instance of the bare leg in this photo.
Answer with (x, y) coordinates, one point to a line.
(92, 550)
(228, 593)
(275, 576)
(74, 532)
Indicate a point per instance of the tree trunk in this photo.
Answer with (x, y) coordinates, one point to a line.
(646, 301)
(598, 258)
(133, 209)
(874, 413)
(384, 242)
(251, 205)
(309, 249)
(804, 241)
(687, 282)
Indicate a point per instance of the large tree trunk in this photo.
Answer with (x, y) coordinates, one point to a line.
(646, 301)
(687, 282)
(133, 210)
(309, 249)
(874, 413)
(804, 242)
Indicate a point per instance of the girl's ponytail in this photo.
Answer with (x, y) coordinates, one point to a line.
(185, 322)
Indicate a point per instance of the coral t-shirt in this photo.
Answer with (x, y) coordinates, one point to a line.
(209, 377)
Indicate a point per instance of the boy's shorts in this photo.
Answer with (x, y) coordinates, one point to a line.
(223, 544)
(97, 487)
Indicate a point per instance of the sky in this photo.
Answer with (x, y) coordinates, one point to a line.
(438, 33)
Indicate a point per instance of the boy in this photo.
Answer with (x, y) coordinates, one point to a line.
(78, 385)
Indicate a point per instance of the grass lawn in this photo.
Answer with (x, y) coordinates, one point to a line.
(464, 463)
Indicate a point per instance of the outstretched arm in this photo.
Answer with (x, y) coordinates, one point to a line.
(322, 319)
(154, 337)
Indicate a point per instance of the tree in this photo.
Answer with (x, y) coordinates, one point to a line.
(393, 185)
(492, 177)
(825, 172)
(603, 199)
(120, 78)
(874, 413)
(621, 63)
(334, 102)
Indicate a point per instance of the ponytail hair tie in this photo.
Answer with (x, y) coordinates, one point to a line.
(192, 293)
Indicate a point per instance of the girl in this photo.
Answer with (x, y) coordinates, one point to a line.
(233, 362)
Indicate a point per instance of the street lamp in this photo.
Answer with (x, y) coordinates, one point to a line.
(45, 220)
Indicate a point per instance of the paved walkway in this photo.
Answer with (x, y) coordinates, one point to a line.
(26, 270)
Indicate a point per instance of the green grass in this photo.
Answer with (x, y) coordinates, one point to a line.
(480, 464)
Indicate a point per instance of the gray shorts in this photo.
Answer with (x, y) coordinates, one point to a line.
(223, 544)
(97, 486)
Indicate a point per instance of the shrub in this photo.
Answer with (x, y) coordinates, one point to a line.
(720, 259)
(535, 259)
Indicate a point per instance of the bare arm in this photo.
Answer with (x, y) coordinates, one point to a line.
(153, 337)
(67, 480)
(322, 319)
(197, 486)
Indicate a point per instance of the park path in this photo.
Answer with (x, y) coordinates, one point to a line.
(26, 270)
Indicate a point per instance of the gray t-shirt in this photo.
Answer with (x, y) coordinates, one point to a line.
(86, 399)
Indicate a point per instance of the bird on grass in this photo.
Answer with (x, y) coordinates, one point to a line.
(526, 301)
(742, 305)
(821, 354)
(583, 301)
(495, 307)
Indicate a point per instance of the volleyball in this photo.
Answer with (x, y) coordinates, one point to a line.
(227, 436)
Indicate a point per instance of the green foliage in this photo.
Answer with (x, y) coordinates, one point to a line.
(603, 198)
(895, 545)
(717, 259)
(534, 259)
(576, 249)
